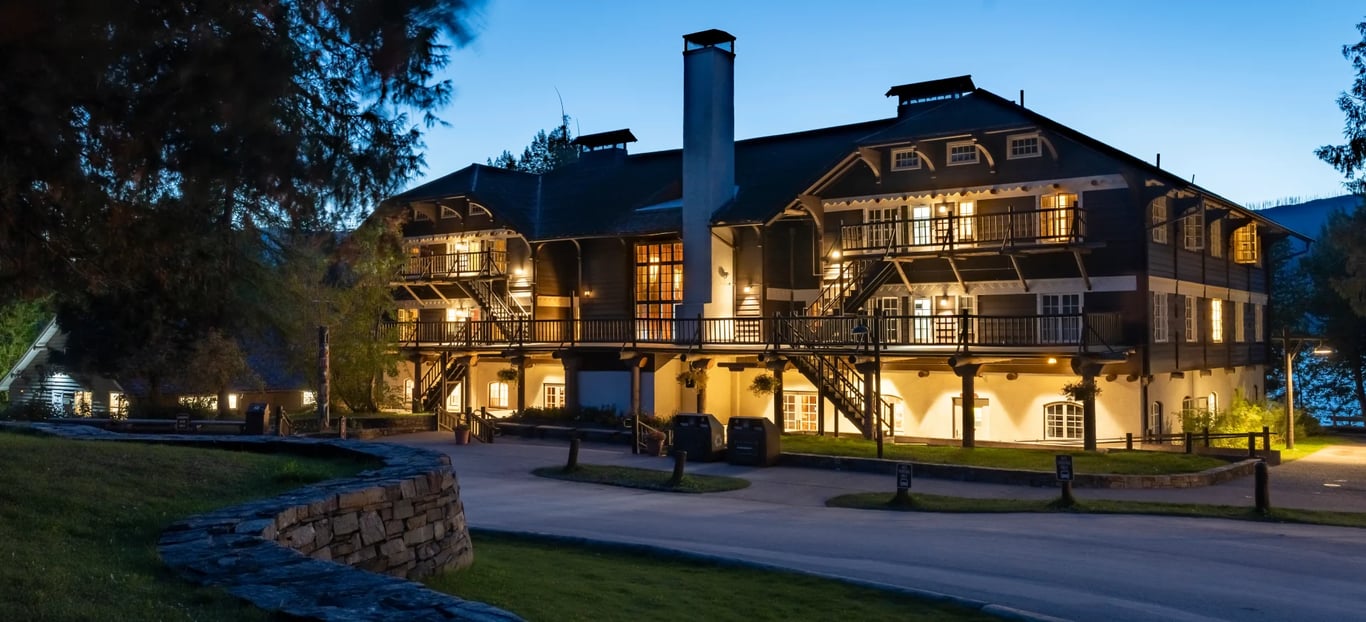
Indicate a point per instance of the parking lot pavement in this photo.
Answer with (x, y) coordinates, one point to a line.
(1331, 479)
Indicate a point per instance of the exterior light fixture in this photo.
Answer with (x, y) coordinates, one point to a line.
(1012, 376)
(1052, 360)
(747, 289)
(519, 272)
(835, 254)
(587, 293)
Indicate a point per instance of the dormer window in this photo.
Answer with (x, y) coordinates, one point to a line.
(1160, 220)
(905, 160)
(962, 153)
(1023, 146)
(449, 212)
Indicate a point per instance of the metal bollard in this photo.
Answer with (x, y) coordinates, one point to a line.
(680, 459)
(1263, 477)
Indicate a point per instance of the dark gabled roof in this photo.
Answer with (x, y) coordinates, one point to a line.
(641, 194)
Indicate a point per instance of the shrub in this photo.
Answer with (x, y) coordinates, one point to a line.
(34, 410)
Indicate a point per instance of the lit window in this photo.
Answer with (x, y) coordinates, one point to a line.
(1025, 146)
(1156, 427)
(659, 286)
(1239, 322)
(308, 398)
(232, 401)
(1195, 413)
(1191, 333)
(799, 411)
(966, 210)
(1160, 220)
(1057, 217)
(962, 153)
(1216, 320)
(905, 160)
(498, 395)
(554, 396)
(1216, 239)
(1062, 420)
(118, 404)
(1193, 230)
(1246, 244)
(1161, 312)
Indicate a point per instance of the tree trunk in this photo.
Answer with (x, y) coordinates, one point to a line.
(1359, 384)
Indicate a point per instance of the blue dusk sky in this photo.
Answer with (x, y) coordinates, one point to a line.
(1238, 94)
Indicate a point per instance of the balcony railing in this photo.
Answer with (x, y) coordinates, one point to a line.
(476, 264)
(1013, 229)
(835, 332)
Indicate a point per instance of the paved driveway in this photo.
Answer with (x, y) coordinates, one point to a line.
(1080, 567)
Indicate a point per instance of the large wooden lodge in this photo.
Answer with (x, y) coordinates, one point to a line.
(881, 271)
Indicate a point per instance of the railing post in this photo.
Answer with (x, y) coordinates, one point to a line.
(1129, 440)
(1188, 441)
(1206, 436)
(1252, 444)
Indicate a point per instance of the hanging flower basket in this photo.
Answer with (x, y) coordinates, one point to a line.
(763, 384)
(1081, 390)
(693, 378)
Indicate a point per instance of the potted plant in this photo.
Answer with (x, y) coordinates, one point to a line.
(508, 375)
(1081, 390)
(763, 384)
(462, 434)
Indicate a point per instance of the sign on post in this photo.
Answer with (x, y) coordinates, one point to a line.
(1064, 466)
(903, 476)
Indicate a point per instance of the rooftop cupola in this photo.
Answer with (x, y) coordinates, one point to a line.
(917, 92)
(604, 145)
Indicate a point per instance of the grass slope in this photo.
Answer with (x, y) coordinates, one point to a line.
(1115, 462)
(543, 580)
(81, 519)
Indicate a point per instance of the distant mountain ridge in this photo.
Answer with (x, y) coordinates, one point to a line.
(1309, 217)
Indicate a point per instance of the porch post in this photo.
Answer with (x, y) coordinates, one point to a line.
(776, 368)
(571, 381)
(870, 412)
(415, 398)
(445, 387)
(968, 423)
(520, 362)
(1087, 371)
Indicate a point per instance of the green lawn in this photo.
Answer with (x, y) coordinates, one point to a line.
(647, 479)
(80, 521)
(1115, 462)
(937, 503)
(1305, 445)
(544, 580)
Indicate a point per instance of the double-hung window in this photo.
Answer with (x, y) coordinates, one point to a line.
(1216, 320)
(1160, 220)
(1060, 320)
(1246, 245)
(1023, 146)
(1161, 313)
(1193, 229)
(1192, 334)
(905, 160)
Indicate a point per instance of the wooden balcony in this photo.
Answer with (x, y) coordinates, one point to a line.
(1026, 230)
(455, 266)
(895, 334)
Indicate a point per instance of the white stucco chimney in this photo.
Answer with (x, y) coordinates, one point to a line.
(708, 157)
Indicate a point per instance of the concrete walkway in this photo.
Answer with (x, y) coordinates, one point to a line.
(1079, 567)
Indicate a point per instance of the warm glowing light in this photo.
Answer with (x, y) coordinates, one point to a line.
(1052, 361)
(519, 272)
(747, 289)
(835, 254)
(587, 293)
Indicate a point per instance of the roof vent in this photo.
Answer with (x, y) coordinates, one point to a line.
(615, 139)
(933, 90)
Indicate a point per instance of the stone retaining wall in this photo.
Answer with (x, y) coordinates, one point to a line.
(304, 553)
(1018, 477)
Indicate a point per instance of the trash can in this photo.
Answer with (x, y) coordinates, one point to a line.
(256, 418)
(701, 435)
(752, 441)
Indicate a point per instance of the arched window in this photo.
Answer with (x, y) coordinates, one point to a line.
(1062, 420)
